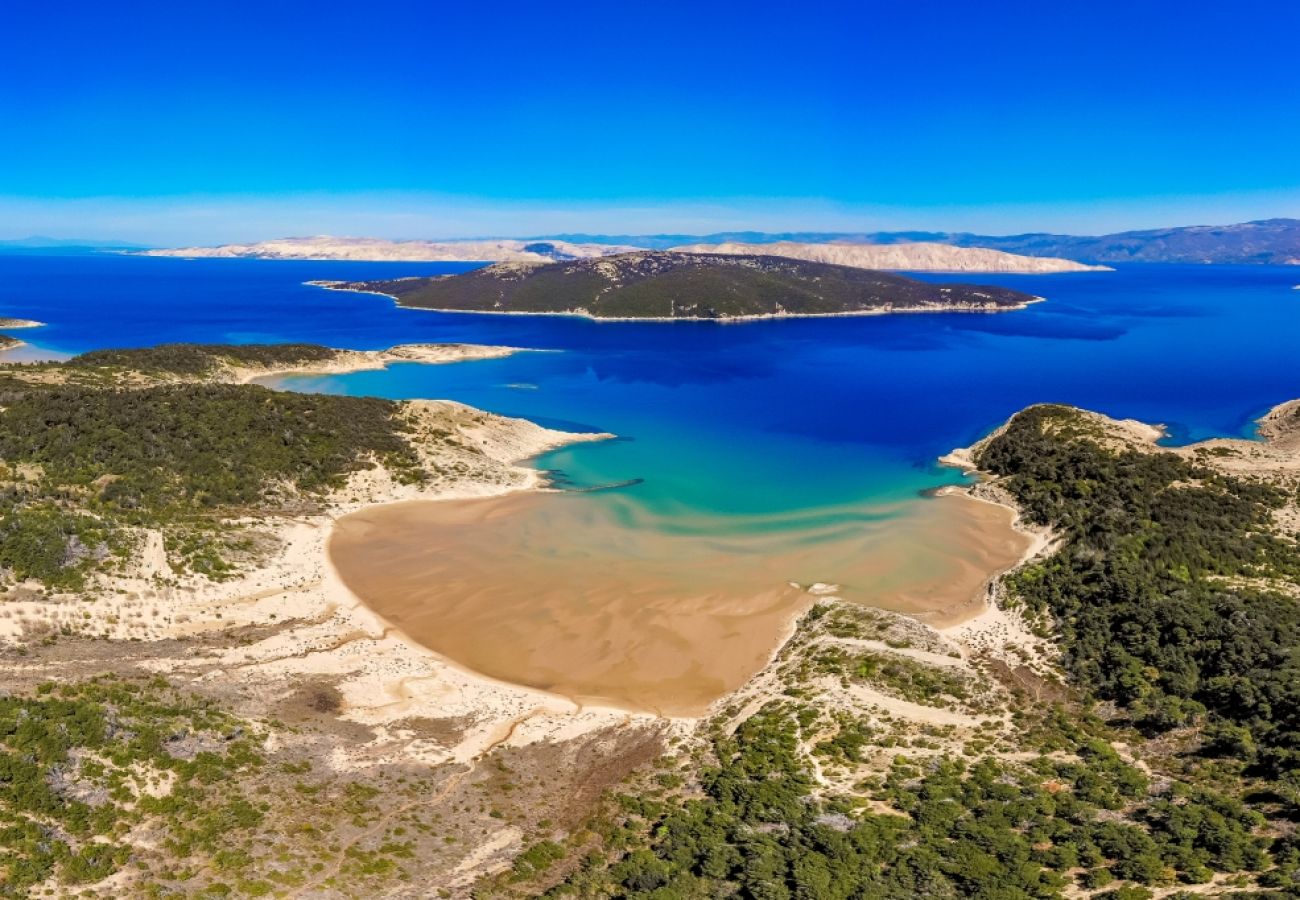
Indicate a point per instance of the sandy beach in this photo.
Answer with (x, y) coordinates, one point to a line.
(553, 593)
(313, 625)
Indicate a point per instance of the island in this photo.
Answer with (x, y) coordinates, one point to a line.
(381, 250)
(8, 341)
(656, 285)
(917, 256)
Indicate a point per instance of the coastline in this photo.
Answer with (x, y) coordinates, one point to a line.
(721, 320)
(384, 677)
(639, 619)
(308, 624)
(998, 626)
(348, 361)
(9, 343)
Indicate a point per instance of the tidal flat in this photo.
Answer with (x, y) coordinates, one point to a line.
(554, 592)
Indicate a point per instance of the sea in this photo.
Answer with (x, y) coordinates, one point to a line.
(734, 426)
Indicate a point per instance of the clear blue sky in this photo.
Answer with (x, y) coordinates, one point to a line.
(228, 120)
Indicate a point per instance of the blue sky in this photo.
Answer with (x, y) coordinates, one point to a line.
(185, 123)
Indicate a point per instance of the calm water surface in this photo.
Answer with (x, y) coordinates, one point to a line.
(756, 425)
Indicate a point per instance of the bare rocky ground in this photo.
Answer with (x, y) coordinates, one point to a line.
(386, 827)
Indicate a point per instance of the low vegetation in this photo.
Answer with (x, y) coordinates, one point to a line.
(116, 786)
(83, 764)
(1074, 816)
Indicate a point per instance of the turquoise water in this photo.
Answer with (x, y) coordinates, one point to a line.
(754, 425)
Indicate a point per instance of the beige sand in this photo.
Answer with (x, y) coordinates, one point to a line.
(560, 593)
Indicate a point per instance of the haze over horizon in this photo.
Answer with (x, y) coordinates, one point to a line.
(183, 129)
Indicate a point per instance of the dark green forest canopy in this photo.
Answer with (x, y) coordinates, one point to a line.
(98, 459)
(194, 445)
(1163, 590)
(199, 359)
(686, 285)
(757, 826)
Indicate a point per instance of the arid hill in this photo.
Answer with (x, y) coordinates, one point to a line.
(912, 257)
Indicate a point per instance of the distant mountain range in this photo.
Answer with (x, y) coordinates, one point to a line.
(1268, 241)
(379, 249)
(898, 257)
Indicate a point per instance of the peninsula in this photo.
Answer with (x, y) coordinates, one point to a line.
(9, 342)
(243, 363)
(1056, 745)
(670, 286)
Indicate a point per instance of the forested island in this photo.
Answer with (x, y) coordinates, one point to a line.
(663, 285)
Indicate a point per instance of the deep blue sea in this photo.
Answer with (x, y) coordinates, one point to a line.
(756, 422)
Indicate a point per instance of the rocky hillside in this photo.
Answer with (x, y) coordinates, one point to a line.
(1267, 241)
(377, 249)
(912, 257)
(658, 285)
